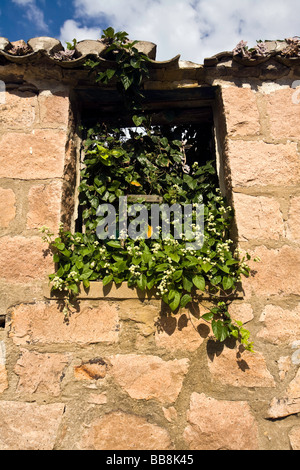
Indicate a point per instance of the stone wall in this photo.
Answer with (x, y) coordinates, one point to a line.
(121, 373)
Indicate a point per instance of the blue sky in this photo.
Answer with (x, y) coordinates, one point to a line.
(193, 28)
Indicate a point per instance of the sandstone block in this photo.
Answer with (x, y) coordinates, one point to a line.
(8, 207)
(283, 110)
(149, 377)
(294, 437)
(24, 259)
(240, 370)
(281, 326)
(3, 378)
(181, 334)
(44, 206)
(18, 111)
(241, 312)
(40, 373)
(290, 403)
(258, 217)
(241, 112)
(122, 431)
(276, 274)
(39, 155)
(144, 316)
(28, 426)
(293, 226)
(54, 109)
(44, 323)
(262, 164)
(220, 425)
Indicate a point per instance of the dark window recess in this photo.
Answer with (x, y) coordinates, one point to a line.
(2, 322)
(184, 114)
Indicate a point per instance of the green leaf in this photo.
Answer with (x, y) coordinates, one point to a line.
(185, 299)
(199, 282)
(206, 267)
(177, 275)
(138, 120)
(220, 330)
(162, 267)
(227, 282)
(187, 284)
(208, 316)
(60, 246)
(87, 274)
(114, 244)
(142, 282)
(151, 283)
(107, 279)
(110, 73)
(174, 257)
(175, 302)
(126, 81)
(74, 288)
(108, 33)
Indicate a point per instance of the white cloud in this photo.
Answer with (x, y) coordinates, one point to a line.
(22, 2)
(193, 28)
(71, 29)
(33, 13)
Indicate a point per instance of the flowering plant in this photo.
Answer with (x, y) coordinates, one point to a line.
(167, 162)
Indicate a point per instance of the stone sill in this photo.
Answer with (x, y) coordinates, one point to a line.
(123, 292)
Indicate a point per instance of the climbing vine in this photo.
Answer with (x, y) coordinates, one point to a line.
(165, 162)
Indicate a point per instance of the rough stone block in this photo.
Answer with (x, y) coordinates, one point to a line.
(289, 404)
(283, 110)
(44, 205)
(122, 431)
(241, 312)
(29, 426)
(40, 373)
(220, 425)
(254, 163)
(24, 260)
(39, 155)
(293, 225)
(54, 109)
(240, 370)
(8, 207)
(258, 217)
(3, 378)
(241, 112)
(45, 323)
(182, 333)
(281, 326)
(18, 111)
(276, 274)
(149, 377)
(294, 436)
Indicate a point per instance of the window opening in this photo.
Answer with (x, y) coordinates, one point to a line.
(118, 159)
(182, 115)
